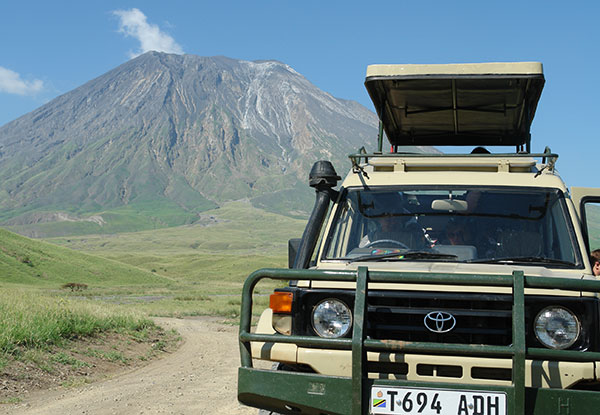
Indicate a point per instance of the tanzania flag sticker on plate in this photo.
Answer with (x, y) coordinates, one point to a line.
(413, 401)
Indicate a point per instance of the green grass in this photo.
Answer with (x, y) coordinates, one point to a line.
(137, 216)
(32, 263)
(29, 319)
(66, 359)
(295, 201)
(205, 264)
(35, 312)
(187, 270)
(236, 228)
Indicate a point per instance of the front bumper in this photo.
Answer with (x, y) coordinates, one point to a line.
(302, 393)
(536, 384)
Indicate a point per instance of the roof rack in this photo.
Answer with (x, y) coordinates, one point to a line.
(499, 162)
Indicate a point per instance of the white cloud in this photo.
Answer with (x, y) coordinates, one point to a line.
(11, 83)
(133, 23)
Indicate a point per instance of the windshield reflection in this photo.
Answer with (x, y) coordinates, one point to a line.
(453, 224)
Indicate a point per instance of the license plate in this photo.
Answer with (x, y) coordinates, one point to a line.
(413, 401)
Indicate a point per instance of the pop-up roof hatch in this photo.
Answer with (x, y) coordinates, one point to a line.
(484, 104)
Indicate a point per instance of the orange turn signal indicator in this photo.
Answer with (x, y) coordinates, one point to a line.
(281, 302)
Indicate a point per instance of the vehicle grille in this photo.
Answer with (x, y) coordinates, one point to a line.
(480, 319)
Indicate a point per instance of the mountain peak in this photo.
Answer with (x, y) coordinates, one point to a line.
(179, 133)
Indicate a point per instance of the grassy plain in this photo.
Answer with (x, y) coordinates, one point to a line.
(187, 270)
(130, 218)
(202, 266)
(46, 267)
(123, 279)
(37, 312)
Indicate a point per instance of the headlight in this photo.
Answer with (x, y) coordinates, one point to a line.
(556, 327)
(331, 318)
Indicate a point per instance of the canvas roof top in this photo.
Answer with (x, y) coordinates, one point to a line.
(483, 104)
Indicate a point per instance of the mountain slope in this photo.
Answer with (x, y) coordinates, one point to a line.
(29, 262)
(163, 137)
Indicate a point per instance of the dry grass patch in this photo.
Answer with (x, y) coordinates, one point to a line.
(80, 361)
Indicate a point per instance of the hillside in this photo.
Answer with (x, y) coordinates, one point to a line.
(28, 262)
(205, 264)
(162, 138)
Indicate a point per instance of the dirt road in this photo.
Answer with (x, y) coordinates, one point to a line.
(199, 378)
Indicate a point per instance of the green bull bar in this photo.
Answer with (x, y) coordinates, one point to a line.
(307, 393)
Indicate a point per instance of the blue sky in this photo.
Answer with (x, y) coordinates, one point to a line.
(49, 48)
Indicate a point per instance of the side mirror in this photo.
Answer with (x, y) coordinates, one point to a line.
(450, 205)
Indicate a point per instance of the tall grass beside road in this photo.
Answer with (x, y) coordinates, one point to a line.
(31, 319)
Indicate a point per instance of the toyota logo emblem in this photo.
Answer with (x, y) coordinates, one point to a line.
(439, 322)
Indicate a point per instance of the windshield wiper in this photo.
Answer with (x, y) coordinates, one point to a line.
(400, 256)
(523, 260)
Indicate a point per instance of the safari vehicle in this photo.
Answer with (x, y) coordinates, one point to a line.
(435, 284)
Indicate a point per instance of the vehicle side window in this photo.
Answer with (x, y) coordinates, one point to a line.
(592, 223)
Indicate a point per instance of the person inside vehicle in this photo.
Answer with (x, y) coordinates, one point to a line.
(457, 233)
(595, 262)
(390, 224)
(482, 229)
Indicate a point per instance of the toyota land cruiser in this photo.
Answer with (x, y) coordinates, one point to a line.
(435, 284)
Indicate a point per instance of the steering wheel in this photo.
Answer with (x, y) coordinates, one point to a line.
(386, 241)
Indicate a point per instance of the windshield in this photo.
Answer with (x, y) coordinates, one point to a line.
(496, 225)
